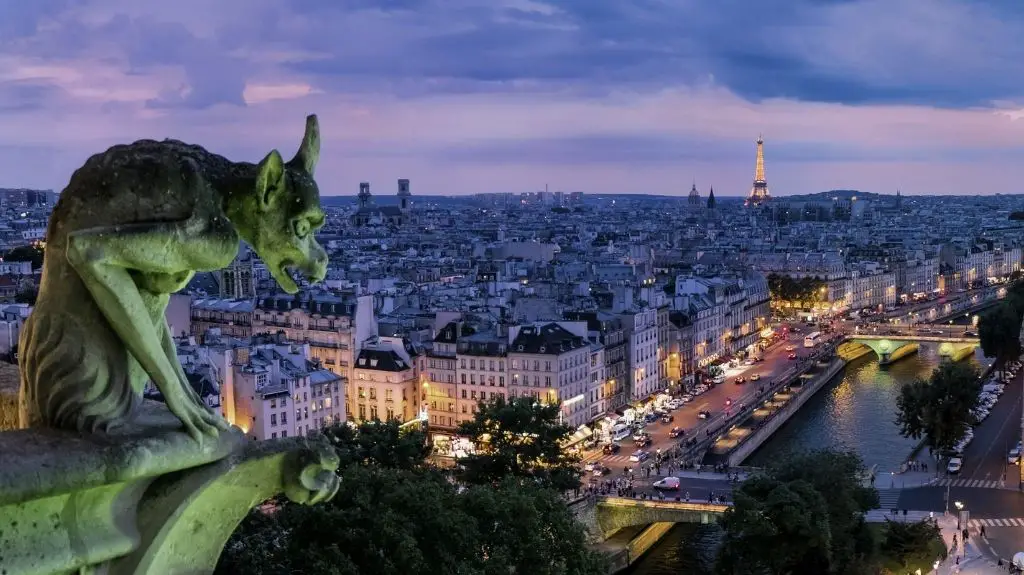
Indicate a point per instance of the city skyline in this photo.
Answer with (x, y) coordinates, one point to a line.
(477, 96)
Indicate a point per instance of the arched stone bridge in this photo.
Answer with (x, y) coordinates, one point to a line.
(604, 516)
(890, 348)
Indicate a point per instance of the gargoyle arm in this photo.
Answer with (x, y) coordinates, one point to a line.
(171, 351)
(103, 258)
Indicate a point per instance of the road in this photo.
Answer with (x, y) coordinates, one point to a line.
(775, 364)
(980, 486)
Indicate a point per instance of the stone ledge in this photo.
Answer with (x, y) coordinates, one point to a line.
(38, 463)
(147, 501)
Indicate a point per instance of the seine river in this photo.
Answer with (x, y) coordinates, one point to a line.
(855, 411)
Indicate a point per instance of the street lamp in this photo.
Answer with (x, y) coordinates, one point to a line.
(959, 507)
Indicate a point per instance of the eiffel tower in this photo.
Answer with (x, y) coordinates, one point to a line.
(759, 193)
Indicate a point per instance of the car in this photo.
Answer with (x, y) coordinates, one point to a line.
(666, 419)
(589, 466)
(676, 432)
(755, 377)
(667, 484)
(792, 356)
(790, 348)
(642, 442)
(610, 448)
(1013, 458)
(955, 465)
(704, 414)
(687, 398)
(970, 334)
(601, 470)
(639, 456)
(740, 380)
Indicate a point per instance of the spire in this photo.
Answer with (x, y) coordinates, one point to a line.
(711, 198)
(759, 192)
(759, 166)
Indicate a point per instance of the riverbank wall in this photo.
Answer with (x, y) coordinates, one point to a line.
(780, 417)
(621, 559)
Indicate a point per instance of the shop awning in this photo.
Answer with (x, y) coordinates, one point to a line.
(582, 432)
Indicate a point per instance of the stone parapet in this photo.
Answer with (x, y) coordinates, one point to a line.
(147, 500)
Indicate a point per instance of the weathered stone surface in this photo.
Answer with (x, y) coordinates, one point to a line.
(147, 501)
(9, 381)
(132, 226)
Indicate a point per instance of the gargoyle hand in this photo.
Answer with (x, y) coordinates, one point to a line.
(311, 475)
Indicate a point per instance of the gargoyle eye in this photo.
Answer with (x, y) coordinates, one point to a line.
(301, 226)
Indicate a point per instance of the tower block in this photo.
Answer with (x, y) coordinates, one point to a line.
(759, 192)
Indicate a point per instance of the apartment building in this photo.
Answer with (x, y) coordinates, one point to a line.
(385, 382)
(481, 367)
(231, 317)
(550, 363)
(441, 379)
(607, 329)
(641, 327)
(279, 392)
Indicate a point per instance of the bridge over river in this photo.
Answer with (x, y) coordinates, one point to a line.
(894, 344)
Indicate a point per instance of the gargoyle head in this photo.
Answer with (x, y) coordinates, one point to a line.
(287, 213)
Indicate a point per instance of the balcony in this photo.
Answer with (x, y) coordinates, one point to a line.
(140, 501)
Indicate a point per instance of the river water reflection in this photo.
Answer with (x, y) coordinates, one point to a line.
(855, 411)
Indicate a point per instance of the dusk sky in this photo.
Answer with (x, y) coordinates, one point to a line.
(464, 96)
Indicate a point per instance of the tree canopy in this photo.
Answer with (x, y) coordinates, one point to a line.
(999, 331)
(520, 438)
(939, 409)
(30, 253)
(910, 545)
(804, 514)
(396, 513)
(805, 291)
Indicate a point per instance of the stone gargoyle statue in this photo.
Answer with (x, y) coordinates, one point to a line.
(133, 226)
(135, 495)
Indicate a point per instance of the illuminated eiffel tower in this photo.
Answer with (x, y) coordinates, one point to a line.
(759, 193)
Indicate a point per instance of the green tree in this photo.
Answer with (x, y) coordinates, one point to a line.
(939, 409)
(31, 253)
(520, 438)
(398, 514)
(27, 296)
(382, 444)
(840, 544)
(775, 527)
(909, 545)
(999, 332)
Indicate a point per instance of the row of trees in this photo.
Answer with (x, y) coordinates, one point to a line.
(805, 514)
(939, 410)
(499, 512)
(801, 292)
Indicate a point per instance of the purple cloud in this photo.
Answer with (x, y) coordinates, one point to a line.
(583, 94)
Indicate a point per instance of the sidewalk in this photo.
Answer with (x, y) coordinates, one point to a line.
(906, 480)
(973, 562)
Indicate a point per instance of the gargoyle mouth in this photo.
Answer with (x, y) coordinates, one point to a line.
(284, 276)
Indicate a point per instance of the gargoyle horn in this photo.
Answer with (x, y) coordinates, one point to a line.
(309, 152)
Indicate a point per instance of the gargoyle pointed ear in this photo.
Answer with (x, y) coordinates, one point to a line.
(309, 152)
(269, 178)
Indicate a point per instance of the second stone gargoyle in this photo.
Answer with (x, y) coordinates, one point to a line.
(133, 226)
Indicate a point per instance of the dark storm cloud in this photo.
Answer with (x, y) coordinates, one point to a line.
(953, 54)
